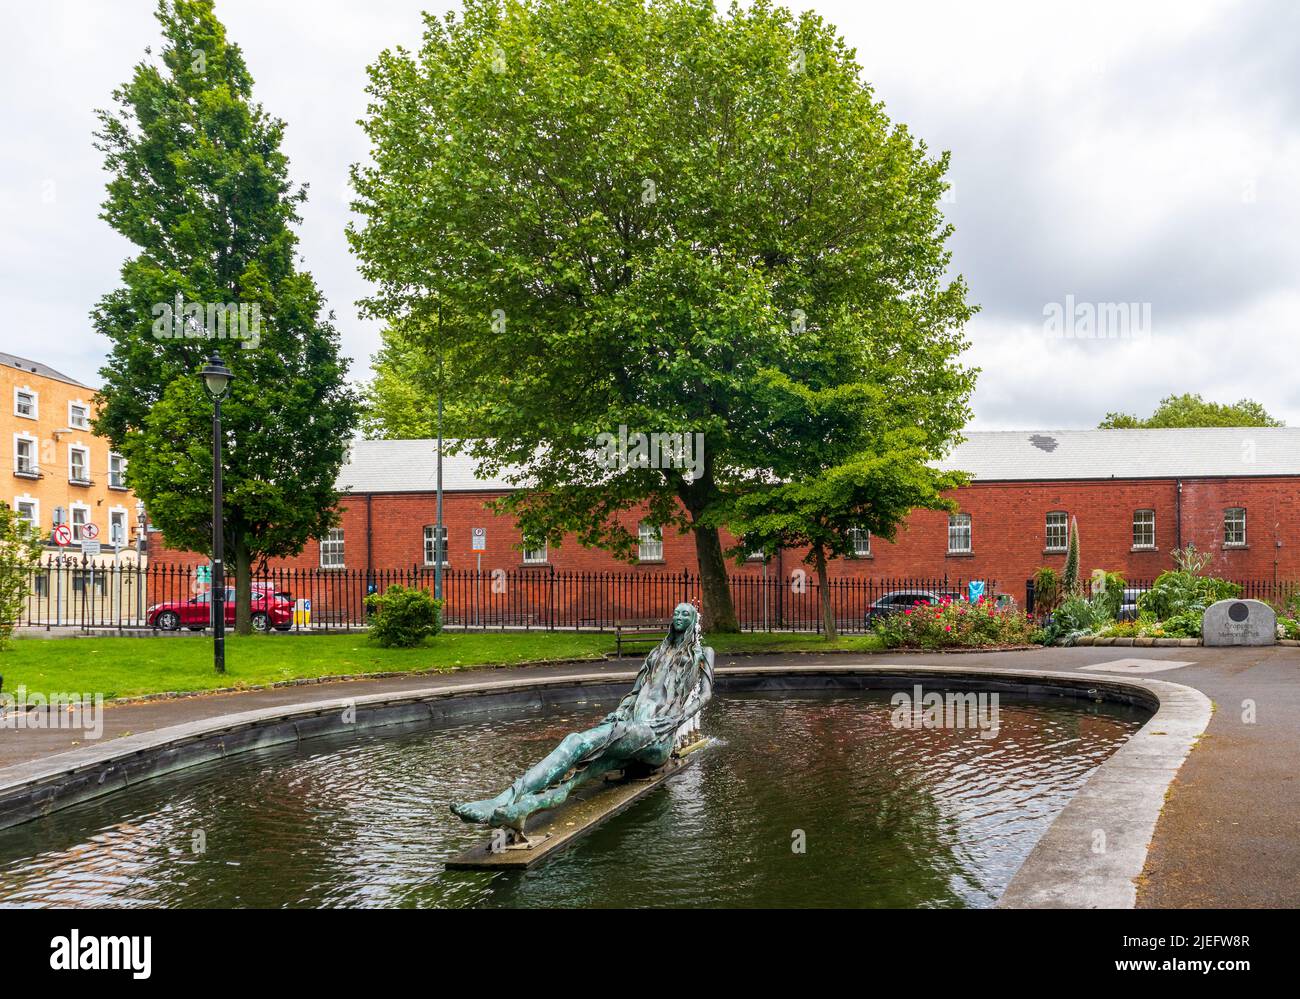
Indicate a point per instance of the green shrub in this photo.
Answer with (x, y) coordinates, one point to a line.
(1188, 559)
(1184, 625)
(402, 617)
(1076, 616)
(20, 549)
(1047, 590)
(1108, 591)
(1122, 629)
(1180, 592)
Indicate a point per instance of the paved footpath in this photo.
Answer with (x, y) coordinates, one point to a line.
(1229, 835)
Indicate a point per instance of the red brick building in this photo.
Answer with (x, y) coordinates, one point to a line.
(1136, 495)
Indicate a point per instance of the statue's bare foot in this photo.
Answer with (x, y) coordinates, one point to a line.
(479, 811)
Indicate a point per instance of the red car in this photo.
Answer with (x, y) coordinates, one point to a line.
(270, 610)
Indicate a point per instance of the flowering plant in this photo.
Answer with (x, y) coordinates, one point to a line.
(956, 624)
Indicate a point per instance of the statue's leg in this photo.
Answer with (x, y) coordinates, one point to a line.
(657, 753)
(563, 758)
(551, 770)
(636, 744)
(514, 814)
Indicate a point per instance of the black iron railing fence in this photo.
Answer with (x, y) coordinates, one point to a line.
(1281, 593)
(126, 597)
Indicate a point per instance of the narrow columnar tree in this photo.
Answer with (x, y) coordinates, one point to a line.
(200, 186)
(1070, 576)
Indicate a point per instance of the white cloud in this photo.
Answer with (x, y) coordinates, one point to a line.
(1116, 151)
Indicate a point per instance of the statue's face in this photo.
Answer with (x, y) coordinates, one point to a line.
(683, 618)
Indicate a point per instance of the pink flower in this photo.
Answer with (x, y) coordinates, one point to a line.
(948, 628)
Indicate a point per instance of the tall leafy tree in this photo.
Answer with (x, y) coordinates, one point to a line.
(1190, 410)
(400, 402)
(634, 214)
(850, 458)
(200, 186)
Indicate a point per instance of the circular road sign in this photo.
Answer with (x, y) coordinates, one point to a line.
(62, 535)
(90, 532)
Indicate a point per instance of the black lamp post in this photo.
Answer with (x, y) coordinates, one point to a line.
(141, 546)
(216, 379)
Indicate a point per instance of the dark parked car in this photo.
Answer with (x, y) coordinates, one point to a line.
(270, 610)
(899, 600)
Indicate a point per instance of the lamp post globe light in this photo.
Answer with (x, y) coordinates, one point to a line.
(216, 381)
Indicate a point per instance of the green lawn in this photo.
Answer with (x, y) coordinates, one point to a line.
(122, 667)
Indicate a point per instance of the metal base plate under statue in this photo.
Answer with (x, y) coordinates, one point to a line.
(587, 808)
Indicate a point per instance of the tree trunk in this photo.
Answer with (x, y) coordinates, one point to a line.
(719, 613)
(823, 587)
(243, 589)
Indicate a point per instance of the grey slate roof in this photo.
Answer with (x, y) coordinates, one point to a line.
(23, 364)
(1128, 454)
(409, 466)
(1003, 455)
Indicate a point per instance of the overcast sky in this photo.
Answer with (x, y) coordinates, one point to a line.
(1129, 152)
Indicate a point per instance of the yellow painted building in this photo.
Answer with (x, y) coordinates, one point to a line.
(53, 465)
(52, 461)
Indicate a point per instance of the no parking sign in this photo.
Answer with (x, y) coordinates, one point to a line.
(478, 536)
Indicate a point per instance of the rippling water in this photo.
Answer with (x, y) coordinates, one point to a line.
(887, 816)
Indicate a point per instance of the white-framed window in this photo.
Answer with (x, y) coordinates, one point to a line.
(78, 415)
(116, 471)
(433, 551)
(28, 509)
(534, 554)
(117, 526)
(78, 463)
(1234, 526)
(80, 518)
(959, 533)
(861, 539)
(1144, 528)
(27, 402)
(331, 549)
(25, 456)
(1057, 532)
(650, 543)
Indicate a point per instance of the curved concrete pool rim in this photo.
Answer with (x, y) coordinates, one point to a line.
(1088, 858)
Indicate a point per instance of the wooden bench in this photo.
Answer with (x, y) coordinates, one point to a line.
(635, 636)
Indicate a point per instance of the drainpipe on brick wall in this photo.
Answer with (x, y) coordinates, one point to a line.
(370, 555)
(1178, 513)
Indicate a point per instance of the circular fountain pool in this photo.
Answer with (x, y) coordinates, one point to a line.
(804, 799)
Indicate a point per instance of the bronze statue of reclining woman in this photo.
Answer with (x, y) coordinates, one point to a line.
(675, 682)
